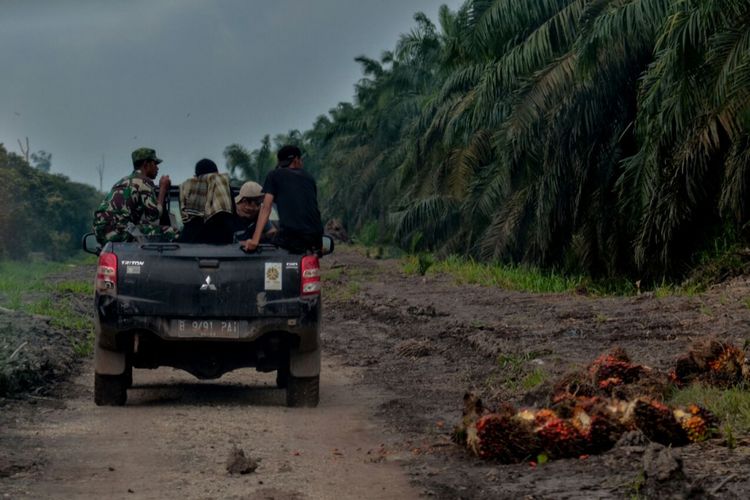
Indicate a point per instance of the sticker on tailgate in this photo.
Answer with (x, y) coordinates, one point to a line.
(273, 276)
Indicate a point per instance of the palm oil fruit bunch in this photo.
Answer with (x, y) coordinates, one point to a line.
(560, 438)
(698, 423)
(658, 422)
(730, 368)
(598, 424)
(506, 437)
(717, 363)
(613, 369)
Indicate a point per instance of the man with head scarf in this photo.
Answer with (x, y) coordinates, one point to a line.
(206, 206)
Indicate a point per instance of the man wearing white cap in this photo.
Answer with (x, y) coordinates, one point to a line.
(248, 203)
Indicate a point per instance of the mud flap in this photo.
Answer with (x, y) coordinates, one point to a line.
(108, 362)
(304, 364)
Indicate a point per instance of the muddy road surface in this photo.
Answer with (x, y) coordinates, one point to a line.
(399, 353)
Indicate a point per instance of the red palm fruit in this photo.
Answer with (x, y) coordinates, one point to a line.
(615, 364)
(505, 438)
(601, 427)
(543, 416)
(658, 423)
(616, 355)
(604, 432)
(609, 383)
(699, 423)
(716, 361)
(696, 428)
(707, 415)
(727, 368)
(560, 439)
(702, 353)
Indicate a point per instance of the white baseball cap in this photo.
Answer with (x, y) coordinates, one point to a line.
(250, 189)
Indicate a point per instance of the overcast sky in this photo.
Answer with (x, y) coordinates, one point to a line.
(82, 79)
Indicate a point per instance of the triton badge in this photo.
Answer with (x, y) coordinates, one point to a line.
(208, 285)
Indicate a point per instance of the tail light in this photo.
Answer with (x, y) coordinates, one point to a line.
(106, 274)
(310, 275)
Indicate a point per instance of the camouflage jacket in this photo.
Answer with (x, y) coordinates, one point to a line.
(131, 200)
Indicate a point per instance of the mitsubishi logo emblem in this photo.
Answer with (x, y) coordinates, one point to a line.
(208, 285)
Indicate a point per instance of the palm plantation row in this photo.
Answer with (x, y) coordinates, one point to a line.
(604, 136)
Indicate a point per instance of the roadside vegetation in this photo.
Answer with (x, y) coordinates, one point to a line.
(43, 214)
(36, 288)
(45, 322)
(522, 278)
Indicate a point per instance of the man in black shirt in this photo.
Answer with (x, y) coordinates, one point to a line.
(296, 197)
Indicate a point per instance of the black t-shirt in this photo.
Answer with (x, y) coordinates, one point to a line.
(296, 198)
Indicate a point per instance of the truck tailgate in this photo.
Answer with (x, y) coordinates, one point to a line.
(194, 280)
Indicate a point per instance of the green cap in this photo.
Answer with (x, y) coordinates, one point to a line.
(144, 154)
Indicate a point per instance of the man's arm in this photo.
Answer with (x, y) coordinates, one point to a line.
(265, 213)
(150, 206)
(164, 185)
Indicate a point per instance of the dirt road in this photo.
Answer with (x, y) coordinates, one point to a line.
(174, 437)
(399, 353)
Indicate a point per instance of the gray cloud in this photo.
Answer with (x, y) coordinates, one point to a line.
(188, 77)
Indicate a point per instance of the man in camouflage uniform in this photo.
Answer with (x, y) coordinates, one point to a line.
(132, 206)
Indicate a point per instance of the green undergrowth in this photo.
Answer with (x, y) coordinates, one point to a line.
(518, 373)
(344, 283)
(29, 287)
(512, 277)
(376, 252)
(732, 406)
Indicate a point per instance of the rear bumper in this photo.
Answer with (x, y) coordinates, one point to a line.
(116, 333)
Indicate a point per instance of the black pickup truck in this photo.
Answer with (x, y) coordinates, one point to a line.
(206, 309)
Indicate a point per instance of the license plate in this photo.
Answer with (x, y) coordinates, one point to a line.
(208, 328)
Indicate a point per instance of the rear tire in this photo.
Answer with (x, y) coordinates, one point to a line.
(282, 377)
(110, 390)
(303, 391)
(128, 376)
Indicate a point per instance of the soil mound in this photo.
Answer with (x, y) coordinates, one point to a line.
(32, 353)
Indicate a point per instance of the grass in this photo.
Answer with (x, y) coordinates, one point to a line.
(26, 287)
(348, 283)
(516, 374)
(533, 380)
(670, 290)
(332, 274)
(732, 406)
(509, 277)
(19, 279)
(524, 278)
(635, 487)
